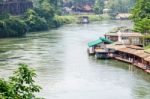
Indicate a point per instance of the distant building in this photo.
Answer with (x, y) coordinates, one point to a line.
(123, 16)
(125, 36)
(112, 35)
(15, 7)
(130, 38)
(66, 10)
(106, 10)
(87, 8)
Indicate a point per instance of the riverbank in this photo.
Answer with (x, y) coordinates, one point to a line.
(73, 18)
(12, 26)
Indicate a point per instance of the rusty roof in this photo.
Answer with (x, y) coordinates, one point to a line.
(147, 59)
(115, 47)
(131, 49)
(135, 47)
(111, 34)
(143, 55)
(130, 34)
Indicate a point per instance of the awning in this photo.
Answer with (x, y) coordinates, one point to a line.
(91, 44)
(106, 40)
(99, 41)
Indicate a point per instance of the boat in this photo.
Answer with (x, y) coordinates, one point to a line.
(83, 20)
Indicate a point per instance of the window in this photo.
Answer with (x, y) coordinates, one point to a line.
(124, 38)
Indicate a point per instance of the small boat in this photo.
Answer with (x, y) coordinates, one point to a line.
(83, 20)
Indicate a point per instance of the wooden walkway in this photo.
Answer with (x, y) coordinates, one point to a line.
(139, 65)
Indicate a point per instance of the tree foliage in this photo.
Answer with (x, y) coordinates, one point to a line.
(143, 25)
(122, 6)
(141, 16)
(98, 6)
(34, 22)
(12, 27)
(141, 10)
(20, 85)
(82, 1)
(37, 19)
(46, 11)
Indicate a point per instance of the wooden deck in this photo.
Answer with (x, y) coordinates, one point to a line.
(148, 71)
(139, 65)
(124, 60)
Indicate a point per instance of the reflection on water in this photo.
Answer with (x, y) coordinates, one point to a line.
(65, 71)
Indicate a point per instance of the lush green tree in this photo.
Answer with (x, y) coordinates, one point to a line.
(141, 16)
(20, 85)
(50, 3)
(121, 6)
(38, 19)
(12, 27)
(98, 6)
(34, 22)
(82, 1)
(143, 26)
(141, 10)
(46, 11)
(4, 16)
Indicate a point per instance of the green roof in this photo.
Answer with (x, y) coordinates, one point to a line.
(106, 40)
(91, 44)
(99, 41)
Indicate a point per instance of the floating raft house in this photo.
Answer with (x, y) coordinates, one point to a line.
(97, 48)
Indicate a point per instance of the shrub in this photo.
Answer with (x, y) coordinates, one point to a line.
(12, 27)
(20, 85)
(60, 20)
(34, 22)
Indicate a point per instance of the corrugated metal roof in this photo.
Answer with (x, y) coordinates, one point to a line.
(130, 34)
(111, 34)
(106, 40)
(135, 47)
(131, 49)
(143, 55)
(115, 47)
(99, 41)
(147, 59)
(93, 43)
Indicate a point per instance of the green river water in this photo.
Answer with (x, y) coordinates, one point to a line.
(64, 69)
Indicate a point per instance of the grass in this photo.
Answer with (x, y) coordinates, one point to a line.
(67, 19)
(95, 17)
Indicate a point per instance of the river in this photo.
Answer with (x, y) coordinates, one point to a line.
(64, 69)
